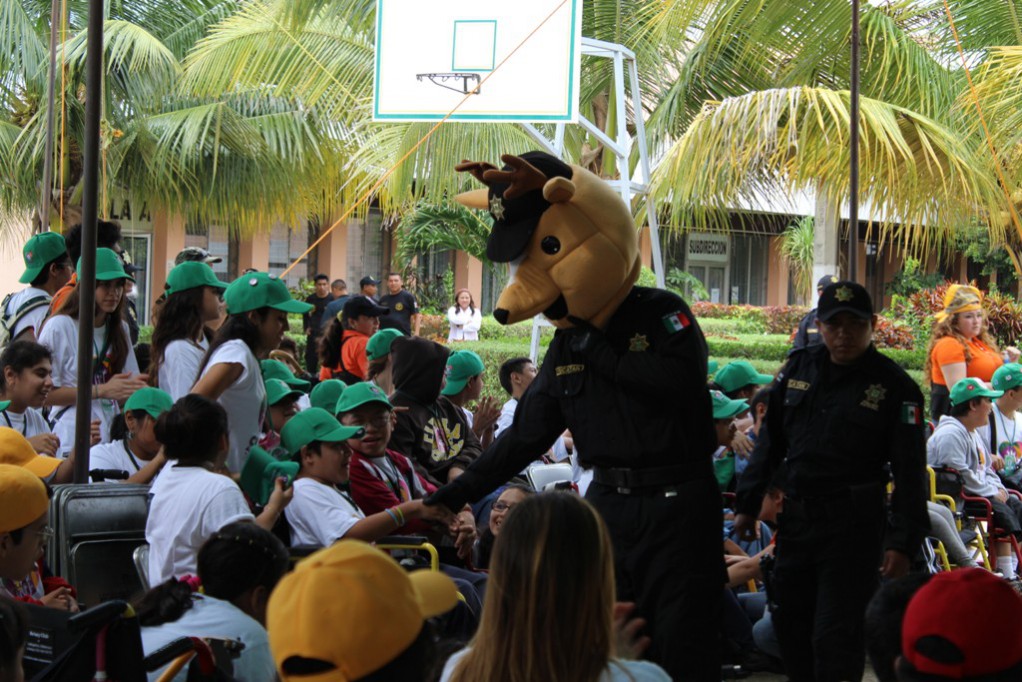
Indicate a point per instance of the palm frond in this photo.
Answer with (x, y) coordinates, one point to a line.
(916, 173)
(443, 226)
(22, 50)
(137, 63)
(323, 64)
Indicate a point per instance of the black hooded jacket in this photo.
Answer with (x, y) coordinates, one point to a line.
(432, 431)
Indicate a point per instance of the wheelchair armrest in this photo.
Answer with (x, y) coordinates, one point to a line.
(167, 653)
(1013, 493)
(403, 541)
(101, 614)
(980, 501)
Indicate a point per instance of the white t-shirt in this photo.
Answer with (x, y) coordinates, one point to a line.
(28, 423)
(1008, 441)
(115, 456)
(216, 618)
(617, 670)
(32, 318)
(180, 368)
(60, 335)
(320, 514)
(187, 505)
(244, 400)
(465, 325)
(507, 415)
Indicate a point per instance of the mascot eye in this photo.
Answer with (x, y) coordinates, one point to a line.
(550, 245)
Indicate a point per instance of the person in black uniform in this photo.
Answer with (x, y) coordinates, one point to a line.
(632, 390)
(840, 413)
(808, 334)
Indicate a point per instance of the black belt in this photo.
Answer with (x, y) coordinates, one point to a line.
(650, 479)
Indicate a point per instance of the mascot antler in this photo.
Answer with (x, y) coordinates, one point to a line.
(522, 178)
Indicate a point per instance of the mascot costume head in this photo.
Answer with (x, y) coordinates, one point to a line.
(569, 238)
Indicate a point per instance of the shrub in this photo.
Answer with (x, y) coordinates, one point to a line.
(783, 319)
(1004, 315)
(744, 313)
(761, 350)
(890, 334)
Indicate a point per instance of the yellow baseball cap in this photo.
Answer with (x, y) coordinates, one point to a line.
(382, 607)
(17, 451)
(23, 497)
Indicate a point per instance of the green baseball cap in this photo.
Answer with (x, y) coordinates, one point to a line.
(315, 424)
(739, 373)
(41, 249)
(154, 401)
(326, 393)
(4, 404)
(462, 365)
(379, 343)
(192, 275)
(969, 388)
(359, 394)
(261, 290)
(260, 473)
(1007, 377)
(275, 369)
(711, 367)
(109, 266)
(726, 408)
(277, 390)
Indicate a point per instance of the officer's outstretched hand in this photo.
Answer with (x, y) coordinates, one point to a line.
(745, 526)
(896, 564)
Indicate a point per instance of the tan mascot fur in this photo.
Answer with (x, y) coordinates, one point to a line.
(626, 373)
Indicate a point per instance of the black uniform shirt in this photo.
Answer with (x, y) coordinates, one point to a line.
(836, 426)
(402, 306)
(636, 397)
(808, 333)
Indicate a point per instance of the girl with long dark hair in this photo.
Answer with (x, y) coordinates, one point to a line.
(115, 369)
(181, 337)
(257, 308)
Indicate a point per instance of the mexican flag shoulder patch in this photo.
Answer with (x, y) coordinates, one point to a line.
(675, 322)
(911, 413)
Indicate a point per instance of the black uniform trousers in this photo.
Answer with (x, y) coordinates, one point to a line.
(828, 553)
(668, 554)
(312, 354)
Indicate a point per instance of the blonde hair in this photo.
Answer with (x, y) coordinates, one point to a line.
(548, 613)
(949, 327)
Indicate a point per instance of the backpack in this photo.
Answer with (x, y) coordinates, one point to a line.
(9, 321)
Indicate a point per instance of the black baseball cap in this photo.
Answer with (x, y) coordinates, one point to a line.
(368, 280)
(514, 220)
(362, 305)
(826, 281)
(844, 297)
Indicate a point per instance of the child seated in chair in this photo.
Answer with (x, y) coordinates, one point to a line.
(238, 568)
(24, 531)
(321, 513)
(956, 444)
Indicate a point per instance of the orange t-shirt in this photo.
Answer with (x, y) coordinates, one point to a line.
(949, 350)
(353, 356)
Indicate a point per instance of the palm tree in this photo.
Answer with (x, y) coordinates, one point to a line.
(761, 104)
(241, 157)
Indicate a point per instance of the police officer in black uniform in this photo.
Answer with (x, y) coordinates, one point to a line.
(839, 415)
(634, 396)
(808, 334)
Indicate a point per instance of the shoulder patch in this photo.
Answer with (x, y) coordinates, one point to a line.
(676, 321)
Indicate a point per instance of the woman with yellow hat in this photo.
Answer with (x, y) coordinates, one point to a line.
(961, 346)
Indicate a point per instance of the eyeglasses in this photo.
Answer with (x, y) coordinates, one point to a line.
(377, 423)
(500, 506)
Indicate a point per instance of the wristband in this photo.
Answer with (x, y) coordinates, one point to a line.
(393, 516)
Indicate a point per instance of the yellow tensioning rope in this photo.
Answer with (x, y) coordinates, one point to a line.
(368, 193)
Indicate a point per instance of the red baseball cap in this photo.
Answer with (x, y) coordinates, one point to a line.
(963, 623)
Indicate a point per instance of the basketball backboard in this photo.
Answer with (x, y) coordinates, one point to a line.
(430, 54)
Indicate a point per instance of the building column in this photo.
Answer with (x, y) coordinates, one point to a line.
(254, 252)
(646, 248)
(777, 274)
(468, 274)
(826, 240)
(332, 255)
(168, 240)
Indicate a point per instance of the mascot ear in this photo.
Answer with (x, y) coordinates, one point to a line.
(558, 190)
(477, 198)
